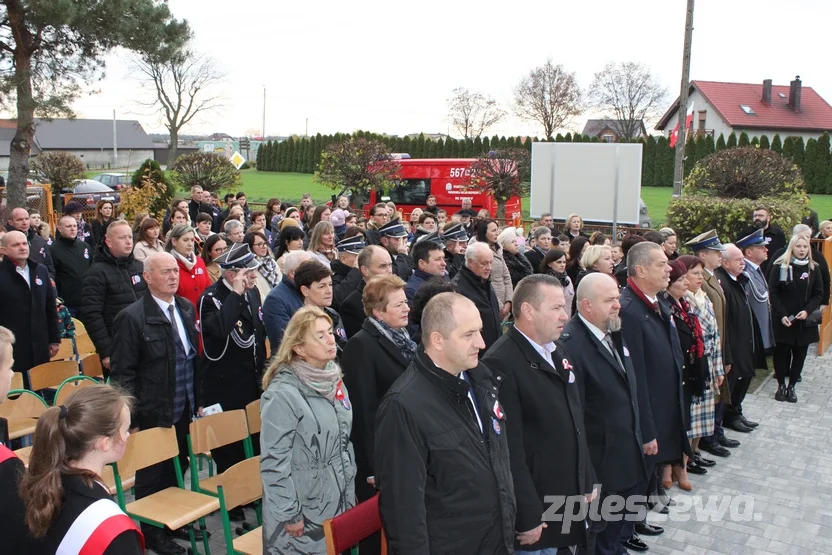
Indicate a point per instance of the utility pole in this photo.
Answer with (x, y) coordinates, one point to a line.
(115, 142)
(681, 114)
(306, 134)
(263, 132)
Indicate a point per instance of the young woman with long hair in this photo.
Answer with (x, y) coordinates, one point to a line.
(213, 248)
(268, 273)
(322, 243)
(147, 240)
(104, 214)
(554, 264)
(576, 251)
(67, 507)
(291, 239)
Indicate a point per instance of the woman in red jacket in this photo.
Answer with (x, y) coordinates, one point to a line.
(193, 275)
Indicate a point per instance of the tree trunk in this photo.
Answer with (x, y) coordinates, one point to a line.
(174, 142)
(21, 145)
(501, 212)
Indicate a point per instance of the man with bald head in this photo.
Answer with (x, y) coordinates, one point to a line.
(373, 260)
(745, 348)
(472, 281)
(441, 456)
(27, 305)
(607, 384)
(154, 355)
(38, 247)
(72, 258)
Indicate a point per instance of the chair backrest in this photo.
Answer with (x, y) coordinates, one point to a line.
(91, 366)
(241, 484)
(146, 448)
(24, 454)
(26, 404)
(51, 374)
(80, 328)
(347, 529)
(17, 380)
(253, 417)
(84, 345)
(65, 352)
(71, 385)
(216, 430)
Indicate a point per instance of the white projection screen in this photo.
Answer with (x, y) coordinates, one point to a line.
(580, 178)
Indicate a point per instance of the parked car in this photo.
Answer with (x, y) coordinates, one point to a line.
(90, 191)
(115, 180)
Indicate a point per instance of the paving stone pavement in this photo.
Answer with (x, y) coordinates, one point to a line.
(784, 467)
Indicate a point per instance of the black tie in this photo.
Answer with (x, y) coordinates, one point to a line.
(176, 337)
(611, 345)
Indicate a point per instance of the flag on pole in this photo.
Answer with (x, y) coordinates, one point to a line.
(688, 124)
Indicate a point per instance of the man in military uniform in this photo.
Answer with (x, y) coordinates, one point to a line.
(455, 242)
(393, 239)
(754, 250)
(230, 322)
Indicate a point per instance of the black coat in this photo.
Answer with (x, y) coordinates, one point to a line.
(110, 285)
(345, 280)
(446, 486)
(371, 364)
(535, 257)
(38, 249)
(79, 494)
(72, 259)
(790, 296)
(823, 271)
(745, 342)
(30, 312)
(546, 435)
(453, 262)
(695, 371)
(609, 397)
(402, 266)
(657, 360)
(371, 237)
(481, 293)
(777, 241)
(234, 379)
(144, 359)
(352, 310)
(99, 230)
(14, 536)
(518, 266)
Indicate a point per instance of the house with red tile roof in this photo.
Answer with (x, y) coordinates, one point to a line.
(764, 109)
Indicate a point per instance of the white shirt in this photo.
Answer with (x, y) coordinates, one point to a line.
(654, 300)
(24, 271)
(544, 350)
(749, 263)
(180, 325)
(473, 402)
(596, 331)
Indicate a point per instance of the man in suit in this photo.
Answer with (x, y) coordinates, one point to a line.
(38, 247)
(656, 354)
(373, 261)
(609, 397)
(546, 426)
(472, 281)
(709, 249)
(776, 238)
(754, 250)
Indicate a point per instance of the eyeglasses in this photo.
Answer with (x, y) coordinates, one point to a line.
(219, 249)
(261, 244)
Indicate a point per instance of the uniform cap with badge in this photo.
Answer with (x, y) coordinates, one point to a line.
(238, 257)
(707, 240)
(455, 232)
(755, 239)
(351, 245)
(393, 228)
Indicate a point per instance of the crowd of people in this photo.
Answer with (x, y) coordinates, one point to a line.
(461, 369)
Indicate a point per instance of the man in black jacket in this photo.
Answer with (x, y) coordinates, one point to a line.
(441, 453)
(607, 384)
(28, 305)
(113, 282)
(455, 241)
(197, 196)
(154, 352)
(345, 273)
(72, 258)
(373, 261)
(777, 239)
(38, 247)
(472, 282)
(545, 425)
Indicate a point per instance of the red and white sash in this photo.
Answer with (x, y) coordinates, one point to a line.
(95, 528)
(6, 454)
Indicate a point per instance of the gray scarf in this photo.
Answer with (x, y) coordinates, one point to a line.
(324, 381)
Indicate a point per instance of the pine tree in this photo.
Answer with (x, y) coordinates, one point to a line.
(595, 140)
(478, 146)
(743, 140)
(290, 154)
(486, 145)
(764, 143)
(810, 161)
(776, 145)
(559, 138)
(407, 147)
(720, 143)
(701, 148)
(799, 151)
(280, 156)
(567, 138)
(822, 169)
(420, 146)
(648, 161)
(755, 142)
(503, 142)
(298, 154)
(690, 155)
(664, 163)
(468, 148)
(732, 140)
(788, 147)
(710, 147)
(440, 149)
(495, 142)
(430, 147)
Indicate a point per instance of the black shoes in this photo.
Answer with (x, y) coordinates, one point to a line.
(714, 449)
(160, 542)
(182, 534)
(781, 393)
(635, 544)
(748, 422)
(791, 396)
(646, 529)
(738, 426)
(694, 468)
(728, 442)
(237, 515)
(702, 461)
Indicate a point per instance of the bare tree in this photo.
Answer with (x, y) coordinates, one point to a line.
(472, 113)
(182, 86)
(548, 95)
(627, 93)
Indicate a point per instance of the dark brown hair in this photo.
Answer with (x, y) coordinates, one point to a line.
(149, 223)
(100, 204)
(64, 435)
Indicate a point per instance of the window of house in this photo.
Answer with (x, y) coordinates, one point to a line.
(747, 110)
(702, 115)
(781, 95)
(608, 138)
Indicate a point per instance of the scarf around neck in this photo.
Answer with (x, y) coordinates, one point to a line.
(681, 310)
(323, 381)
(268, 269)
(188, 262)
(399, 337)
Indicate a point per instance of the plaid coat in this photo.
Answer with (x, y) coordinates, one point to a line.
(702, 410)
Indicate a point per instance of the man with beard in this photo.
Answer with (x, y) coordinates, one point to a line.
(608, 390)
(455, 241)
(777, 239)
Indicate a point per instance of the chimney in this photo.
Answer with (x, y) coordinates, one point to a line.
(795, 91)
(767, 92)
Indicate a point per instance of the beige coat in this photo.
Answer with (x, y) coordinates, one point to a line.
(142, 250)
(716, 295)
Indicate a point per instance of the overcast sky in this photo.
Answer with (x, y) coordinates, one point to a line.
(389, 67)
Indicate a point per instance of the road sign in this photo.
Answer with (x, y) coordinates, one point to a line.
(238, 160)
(245, 144)
(208, 147)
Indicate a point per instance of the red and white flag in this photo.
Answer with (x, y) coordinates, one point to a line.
(688, 124)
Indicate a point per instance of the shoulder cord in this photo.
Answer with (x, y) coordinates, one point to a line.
(202, 337)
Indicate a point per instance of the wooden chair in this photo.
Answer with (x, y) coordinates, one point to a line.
(171, 508)
(241, 485)
(65, 352)
(24, 454)
(210, 432)
(83, 345)
(17, 380)
(80, 329)
(22, 412)
(253, 417)
(51, 374)
(347, 529)
(91, 366)
(71, 385)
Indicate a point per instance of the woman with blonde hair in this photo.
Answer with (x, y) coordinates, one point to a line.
(596, 258)
(574, 227)
(322, 243)
(517, 264)
(67, 506)
(825, 230)
(669, 243)
(307, 463)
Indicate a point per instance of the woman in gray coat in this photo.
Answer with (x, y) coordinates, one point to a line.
(306, 463)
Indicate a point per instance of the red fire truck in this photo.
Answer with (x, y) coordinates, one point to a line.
(446, 178)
